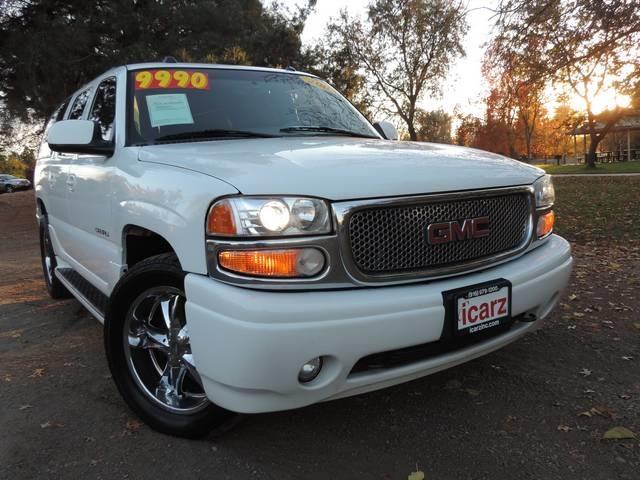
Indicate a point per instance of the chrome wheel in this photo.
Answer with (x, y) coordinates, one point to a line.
(158, 351)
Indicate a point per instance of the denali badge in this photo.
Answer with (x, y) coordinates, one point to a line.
(467, 229)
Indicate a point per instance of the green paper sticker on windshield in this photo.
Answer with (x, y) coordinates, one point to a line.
(169, 109)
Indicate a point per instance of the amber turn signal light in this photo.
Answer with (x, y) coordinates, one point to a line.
(545, 223)
(279, 263)
(220, 220)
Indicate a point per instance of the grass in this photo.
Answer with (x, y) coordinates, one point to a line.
(618, 167)
(600, 209)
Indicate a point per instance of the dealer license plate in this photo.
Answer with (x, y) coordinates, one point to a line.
(482, 306)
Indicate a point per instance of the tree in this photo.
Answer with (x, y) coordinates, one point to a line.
(433, 126)
(20, 165)
(404, 48)
(468, 130)
(500, 124)
(587, 45)
(335, 64)
(48, 48)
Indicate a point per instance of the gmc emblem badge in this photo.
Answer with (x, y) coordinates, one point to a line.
(445, 232)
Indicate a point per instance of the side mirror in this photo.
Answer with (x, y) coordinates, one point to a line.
(78, 136)
(387, 130)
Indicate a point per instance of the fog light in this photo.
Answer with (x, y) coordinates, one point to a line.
(310, 370)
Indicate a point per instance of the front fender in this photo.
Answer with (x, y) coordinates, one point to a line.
(171, 202)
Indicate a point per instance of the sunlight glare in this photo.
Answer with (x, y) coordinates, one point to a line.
(606, 100)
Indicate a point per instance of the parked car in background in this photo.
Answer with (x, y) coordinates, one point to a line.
(10, 184)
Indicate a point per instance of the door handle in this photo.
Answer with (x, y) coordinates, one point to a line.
(71, 181)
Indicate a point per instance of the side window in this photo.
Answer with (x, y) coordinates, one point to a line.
(78, 105)
(103, 111)
(57, 115)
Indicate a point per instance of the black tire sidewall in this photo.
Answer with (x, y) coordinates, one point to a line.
(163, 272)
(54, 286)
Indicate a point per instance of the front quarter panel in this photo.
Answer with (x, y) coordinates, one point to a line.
(170, 201)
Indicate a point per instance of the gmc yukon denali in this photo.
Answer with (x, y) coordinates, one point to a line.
(252, 243)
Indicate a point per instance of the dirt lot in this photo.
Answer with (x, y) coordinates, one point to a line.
(536, 409)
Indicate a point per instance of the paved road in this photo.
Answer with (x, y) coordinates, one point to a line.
(512, 414)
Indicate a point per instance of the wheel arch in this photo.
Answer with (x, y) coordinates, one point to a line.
(41, 209)
(140, 243)
(181, 229)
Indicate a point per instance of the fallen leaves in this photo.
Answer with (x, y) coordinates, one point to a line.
(17, 333)
(49, 424)
(419, 475)
(130, 428)
(564, 428)
(618, 433)
(599, 410)
(24, 407)
(585, 372)
(133, 425)
(37, 373)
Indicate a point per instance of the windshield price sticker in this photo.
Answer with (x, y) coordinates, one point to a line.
(153, 79)
(169, 109)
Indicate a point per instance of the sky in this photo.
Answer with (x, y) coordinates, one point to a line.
(463, 88)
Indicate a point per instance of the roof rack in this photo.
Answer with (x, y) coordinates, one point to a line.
(169, 60)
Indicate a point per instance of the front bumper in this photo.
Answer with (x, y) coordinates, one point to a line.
(249, 345)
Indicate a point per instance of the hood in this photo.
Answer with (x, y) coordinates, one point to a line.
(342, 168)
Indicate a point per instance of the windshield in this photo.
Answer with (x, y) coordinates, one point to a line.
(206, 103)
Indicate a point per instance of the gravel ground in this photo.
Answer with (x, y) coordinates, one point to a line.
(537, 409)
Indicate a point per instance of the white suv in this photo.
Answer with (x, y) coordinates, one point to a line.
(252, 243)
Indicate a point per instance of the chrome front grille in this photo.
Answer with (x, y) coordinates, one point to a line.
(389, 239)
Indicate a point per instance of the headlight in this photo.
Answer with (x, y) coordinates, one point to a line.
(268, 216)
(545, 194)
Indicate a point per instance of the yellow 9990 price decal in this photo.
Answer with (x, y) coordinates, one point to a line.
(149, 79)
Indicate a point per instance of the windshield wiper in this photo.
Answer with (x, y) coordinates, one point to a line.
(313, 128)
(213, 133)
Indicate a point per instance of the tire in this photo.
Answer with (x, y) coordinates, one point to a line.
(10, 188)
(149, 355)
(48, 259)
